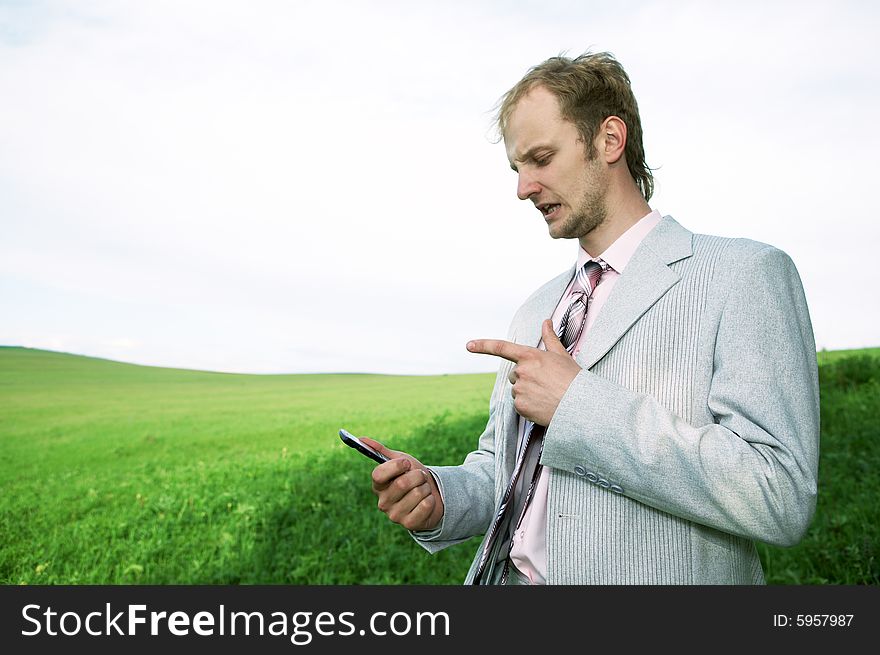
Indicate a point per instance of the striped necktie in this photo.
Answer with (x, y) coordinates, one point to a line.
(527, 467)
(573, 321)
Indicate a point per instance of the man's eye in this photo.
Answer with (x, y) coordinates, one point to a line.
(542, 162)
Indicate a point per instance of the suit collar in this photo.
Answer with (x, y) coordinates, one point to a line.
(669, 241)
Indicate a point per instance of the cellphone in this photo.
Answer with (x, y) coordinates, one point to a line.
(350, 440)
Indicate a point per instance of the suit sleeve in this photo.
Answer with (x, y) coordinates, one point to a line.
(753, 470)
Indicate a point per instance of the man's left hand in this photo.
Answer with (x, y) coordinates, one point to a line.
(540, 377)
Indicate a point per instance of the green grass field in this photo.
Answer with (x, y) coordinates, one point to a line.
(115, 473)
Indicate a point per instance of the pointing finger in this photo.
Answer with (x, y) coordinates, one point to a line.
(510, 351)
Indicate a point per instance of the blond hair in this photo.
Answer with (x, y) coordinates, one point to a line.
(589, 89)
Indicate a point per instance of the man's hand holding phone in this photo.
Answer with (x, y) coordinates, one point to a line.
(408, 493)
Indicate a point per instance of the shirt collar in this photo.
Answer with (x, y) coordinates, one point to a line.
(618, 254)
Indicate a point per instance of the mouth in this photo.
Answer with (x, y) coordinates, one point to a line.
(549, 210)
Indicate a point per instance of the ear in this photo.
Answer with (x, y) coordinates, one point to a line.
(612, 139)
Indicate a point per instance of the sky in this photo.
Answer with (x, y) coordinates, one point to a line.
(305, 187)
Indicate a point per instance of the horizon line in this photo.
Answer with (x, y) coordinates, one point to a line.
(220, 372)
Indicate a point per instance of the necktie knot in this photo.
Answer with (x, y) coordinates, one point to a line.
(589, 274)
(572, 324)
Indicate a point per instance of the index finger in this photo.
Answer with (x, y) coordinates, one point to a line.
(512, 352)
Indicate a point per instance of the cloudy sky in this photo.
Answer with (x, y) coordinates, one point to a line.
(282, 187)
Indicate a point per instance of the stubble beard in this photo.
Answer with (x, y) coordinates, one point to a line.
(590, 212)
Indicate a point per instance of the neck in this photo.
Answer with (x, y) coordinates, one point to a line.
(622, 212)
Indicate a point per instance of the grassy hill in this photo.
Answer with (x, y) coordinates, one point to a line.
(71, 410)
(116, 473)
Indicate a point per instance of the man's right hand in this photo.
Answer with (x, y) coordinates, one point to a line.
(408, 493)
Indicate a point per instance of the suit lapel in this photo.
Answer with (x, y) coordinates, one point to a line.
(643, 282)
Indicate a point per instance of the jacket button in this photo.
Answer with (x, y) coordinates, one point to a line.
(603, 483)
(580, 470)
(592, 477)
(616, 488)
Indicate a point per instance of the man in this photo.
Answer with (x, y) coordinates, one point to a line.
(666, 418)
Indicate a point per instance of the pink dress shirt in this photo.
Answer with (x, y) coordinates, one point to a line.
(529, 547)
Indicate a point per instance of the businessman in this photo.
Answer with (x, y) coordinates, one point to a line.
(656, 411)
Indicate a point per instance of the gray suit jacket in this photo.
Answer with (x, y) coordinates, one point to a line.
(691, 432)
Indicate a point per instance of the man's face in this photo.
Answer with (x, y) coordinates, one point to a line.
(548, 154)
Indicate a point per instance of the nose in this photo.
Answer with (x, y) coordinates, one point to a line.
(526, 185)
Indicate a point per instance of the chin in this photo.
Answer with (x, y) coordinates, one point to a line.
(561, 231)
